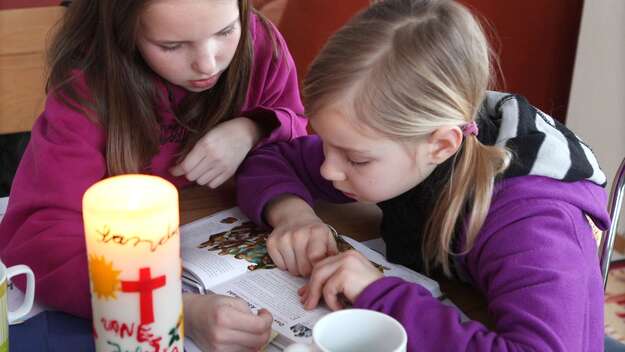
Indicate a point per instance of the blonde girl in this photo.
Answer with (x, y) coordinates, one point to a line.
(477, 184)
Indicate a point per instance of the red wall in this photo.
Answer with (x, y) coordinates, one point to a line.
(307, 24)
(537, 40)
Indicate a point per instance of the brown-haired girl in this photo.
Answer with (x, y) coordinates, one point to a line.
(181, 89)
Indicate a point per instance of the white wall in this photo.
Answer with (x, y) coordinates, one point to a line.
(597, 102)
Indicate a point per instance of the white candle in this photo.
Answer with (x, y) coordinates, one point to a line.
(133, 250)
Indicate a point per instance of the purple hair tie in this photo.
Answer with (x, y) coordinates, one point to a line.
(470, 129)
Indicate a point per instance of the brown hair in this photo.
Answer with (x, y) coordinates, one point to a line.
(409, 67)
(98, 37)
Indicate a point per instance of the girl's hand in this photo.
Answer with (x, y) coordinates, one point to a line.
(221, 323)
(217, 155)
(344, 275)
(299, 239)
(299, 243)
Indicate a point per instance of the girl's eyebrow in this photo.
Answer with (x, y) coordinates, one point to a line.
(229, 26)
(351, 150)
(357, 152)
(221, 31)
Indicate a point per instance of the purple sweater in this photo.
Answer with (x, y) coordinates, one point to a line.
(535, 259)
(43, 226)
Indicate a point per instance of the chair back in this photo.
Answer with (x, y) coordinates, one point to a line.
(615, 206)
(23, 34)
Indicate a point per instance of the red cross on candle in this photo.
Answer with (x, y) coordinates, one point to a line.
(145, 286)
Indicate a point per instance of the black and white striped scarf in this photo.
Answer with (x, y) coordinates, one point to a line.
(540, 146)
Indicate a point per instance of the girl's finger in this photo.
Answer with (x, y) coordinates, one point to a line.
(303, 293)
(321, 273)
(333, 248)
(302, 290)
(300, 243)
(176, 170)
(201, 168)
(218, 180)
(247, 322)
(286, 250)
(266, 316)
(318, 247)
(274, 251)
(332, 289)
(207, 175)
(237, 304)
(188, 163)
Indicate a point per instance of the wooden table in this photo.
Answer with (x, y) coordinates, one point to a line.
(359, 221)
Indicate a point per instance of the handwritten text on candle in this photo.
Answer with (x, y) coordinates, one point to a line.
(106, 236)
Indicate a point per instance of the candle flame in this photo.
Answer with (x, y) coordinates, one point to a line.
(134, 202)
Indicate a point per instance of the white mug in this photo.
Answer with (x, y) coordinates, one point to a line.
(355, 330)
(7, 317)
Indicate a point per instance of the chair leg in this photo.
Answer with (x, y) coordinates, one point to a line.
(615, 205)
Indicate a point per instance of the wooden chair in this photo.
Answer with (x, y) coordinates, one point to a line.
(23, 35)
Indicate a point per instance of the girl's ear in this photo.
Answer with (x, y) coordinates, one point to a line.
(444, 142)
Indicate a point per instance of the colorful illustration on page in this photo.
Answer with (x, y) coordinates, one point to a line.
(247, 241)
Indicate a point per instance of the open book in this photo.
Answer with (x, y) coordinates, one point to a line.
(226, 254)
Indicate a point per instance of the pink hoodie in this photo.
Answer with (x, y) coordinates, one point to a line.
(43, 225)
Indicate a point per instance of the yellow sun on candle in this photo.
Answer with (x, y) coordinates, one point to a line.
(104, 277)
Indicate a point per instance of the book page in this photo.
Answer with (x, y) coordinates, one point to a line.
(377, 244)
(212, 246)
(276, 291)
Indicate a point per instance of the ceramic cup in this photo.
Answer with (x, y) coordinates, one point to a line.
(7, 317)
(355, 330)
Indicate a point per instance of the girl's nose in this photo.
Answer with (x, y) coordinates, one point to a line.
(330, 172)
(205, 62)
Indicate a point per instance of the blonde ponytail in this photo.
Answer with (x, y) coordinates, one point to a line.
(468, 191)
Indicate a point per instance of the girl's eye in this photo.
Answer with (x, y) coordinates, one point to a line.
(357, 163)
(170, 47)
(227, 32)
